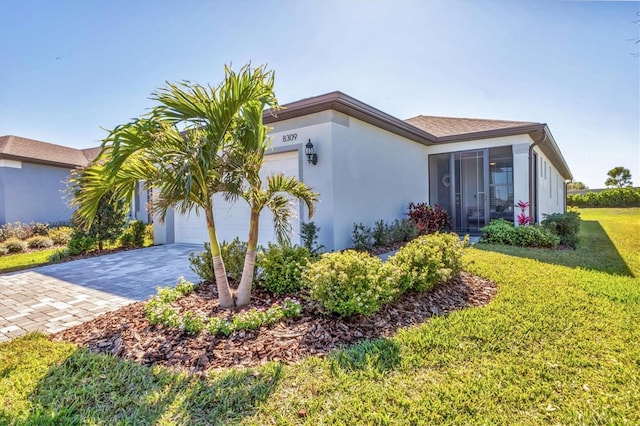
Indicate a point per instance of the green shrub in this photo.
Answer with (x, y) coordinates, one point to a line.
(192, 323)
(403, 230)
(613, 197)
(38, 241)
(58, 256)
(429, 260)
(499, 231)
(309, 234)
(362, 237)
(14, 245)
(134, 235)
(60, 235)
(564, 225)
(232, 255)
(148, 232)
(535, 236)
(280, 267)
(381, 233)
(39, 229)
(80, 243)
(351, 282)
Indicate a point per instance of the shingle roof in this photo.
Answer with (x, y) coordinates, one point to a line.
(25, 149)
(450, 126)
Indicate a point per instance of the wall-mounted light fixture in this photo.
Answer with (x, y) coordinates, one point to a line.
(312, 157)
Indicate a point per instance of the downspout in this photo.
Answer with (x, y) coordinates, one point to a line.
(532, 170)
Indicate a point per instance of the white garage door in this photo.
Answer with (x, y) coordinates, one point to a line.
(232, 219)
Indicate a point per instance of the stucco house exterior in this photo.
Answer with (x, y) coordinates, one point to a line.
(369, 165)
(33, 181)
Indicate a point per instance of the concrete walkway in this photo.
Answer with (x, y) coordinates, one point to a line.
(54, 297)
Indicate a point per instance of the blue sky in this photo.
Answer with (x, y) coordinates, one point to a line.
(68, 68)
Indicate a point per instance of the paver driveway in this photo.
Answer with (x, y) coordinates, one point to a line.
(54, 297)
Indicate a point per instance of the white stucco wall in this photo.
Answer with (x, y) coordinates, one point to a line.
(376, 175)
(550, 187)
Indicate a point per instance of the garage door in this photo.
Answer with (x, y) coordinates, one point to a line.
(232, 219)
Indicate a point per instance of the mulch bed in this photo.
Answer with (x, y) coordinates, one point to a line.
(126, 333)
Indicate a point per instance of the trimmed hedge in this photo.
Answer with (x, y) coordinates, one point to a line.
(613, 197)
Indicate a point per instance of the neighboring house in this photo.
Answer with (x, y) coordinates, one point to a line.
(370, 165)
(33, 180)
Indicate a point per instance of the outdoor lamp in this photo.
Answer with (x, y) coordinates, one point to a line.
(312, 157)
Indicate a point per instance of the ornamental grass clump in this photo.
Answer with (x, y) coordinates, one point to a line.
(429, 260)
(352, 282)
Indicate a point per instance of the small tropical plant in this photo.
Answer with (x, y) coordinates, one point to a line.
(429, 219)
(523, 218)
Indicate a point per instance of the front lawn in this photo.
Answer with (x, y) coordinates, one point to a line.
(559, 345)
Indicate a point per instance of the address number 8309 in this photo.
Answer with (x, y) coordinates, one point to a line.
(289, 137)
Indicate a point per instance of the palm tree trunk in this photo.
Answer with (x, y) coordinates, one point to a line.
(225, 298)
(243, 295)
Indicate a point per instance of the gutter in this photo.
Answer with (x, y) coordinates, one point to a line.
(532, 170)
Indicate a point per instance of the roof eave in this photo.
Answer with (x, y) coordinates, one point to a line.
(39, 161)
(340, 102)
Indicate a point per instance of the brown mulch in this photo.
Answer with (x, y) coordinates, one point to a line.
(126, 333)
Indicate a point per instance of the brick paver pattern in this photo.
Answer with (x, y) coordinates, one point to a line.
(36, 302)
(54, 297)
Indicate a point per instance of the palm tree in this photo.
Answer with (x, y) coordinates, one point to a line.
(247, 161)
(181, 151)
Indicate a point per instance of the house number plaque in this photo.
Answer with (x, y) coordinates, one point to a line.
(289, 137)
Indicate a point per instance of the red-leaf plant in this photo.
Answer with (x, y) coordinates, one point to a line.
(523, 219)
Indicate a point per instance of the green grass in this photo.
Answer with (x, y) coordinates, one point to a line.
(558, 345)
(19, 261)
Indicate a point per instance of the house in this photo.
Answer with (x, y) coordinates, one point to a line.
(33, 180)
(368, 165)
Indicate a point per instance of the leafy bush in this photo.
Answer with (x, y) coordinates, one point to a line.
(351, 282)
(429, 219)
(232, 255)
(192, 323)
(58, 256)
(134, 235)
(428, 260)
(535, 236)
(403, 230)
(80, 243)
(14, 245)
(499, 231)
(564, 225)
(148, 232)
(362, 237)
(309, 234)
(38, 241)
(281, 267)
(60, 235)
(39, 229)
(3, 250)
(381, 233)
(613, 197)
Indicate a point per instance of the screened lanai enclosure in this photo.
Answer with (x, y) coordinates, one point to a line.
(474, 187)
